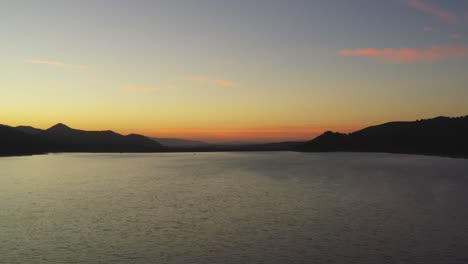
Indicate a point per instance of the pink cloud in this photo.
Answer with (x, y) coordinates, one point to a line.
(404, 55)
(435, 11)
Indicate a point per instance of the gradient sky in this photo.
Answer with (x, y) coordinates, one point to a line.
(258, 70)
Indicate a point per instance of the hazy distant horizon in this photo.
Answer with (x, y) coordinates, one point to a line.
(306, 137)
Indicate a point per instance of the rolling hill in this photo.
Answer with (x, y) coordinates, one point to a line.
(437, 136)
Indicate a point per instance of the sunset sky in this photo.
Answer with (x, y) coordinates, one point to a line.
(244, 70)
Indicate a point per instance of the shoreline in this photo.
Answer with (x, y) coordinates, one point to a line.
(221, 151)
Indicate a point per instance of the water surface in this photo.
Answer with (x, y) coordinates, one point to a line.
(233, 208)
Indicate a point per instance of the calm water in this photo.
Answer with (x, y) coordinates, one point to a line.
(233, 208)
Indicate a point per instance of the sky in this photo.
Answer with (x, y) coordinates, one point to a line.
(244, 70)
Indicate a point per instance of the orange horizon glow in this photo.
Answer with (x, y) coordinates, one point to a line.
(240, 134)
(259, 134)
(253, 134)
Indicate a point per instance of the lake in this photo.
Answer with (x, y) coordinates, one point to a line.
(271, 207)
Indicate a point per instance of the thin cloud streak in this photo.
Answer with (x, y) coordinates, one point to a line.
(456, 36)
(436, 53)
(146, 89)
(437, 12)
(213, 81)
(58, 64)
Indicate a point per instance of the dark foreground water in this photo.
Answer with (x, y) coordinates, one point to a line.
(233, 208)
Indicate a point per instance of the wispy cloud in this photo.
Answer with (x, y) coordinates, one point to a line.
(436, 53)
(146, 89)
(432, 10)
(58, 64)
(456, 36)
(213, 81)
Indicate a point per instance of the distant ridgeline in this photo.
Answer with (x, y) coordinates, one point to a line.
(438, 136)
(25, 140)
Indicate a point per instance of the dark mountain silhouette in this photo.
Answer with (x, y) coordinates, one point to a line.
(437, 136)
(66, 135)
(62, 138)
(61, 129)
(15, 142)
(29, 130)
